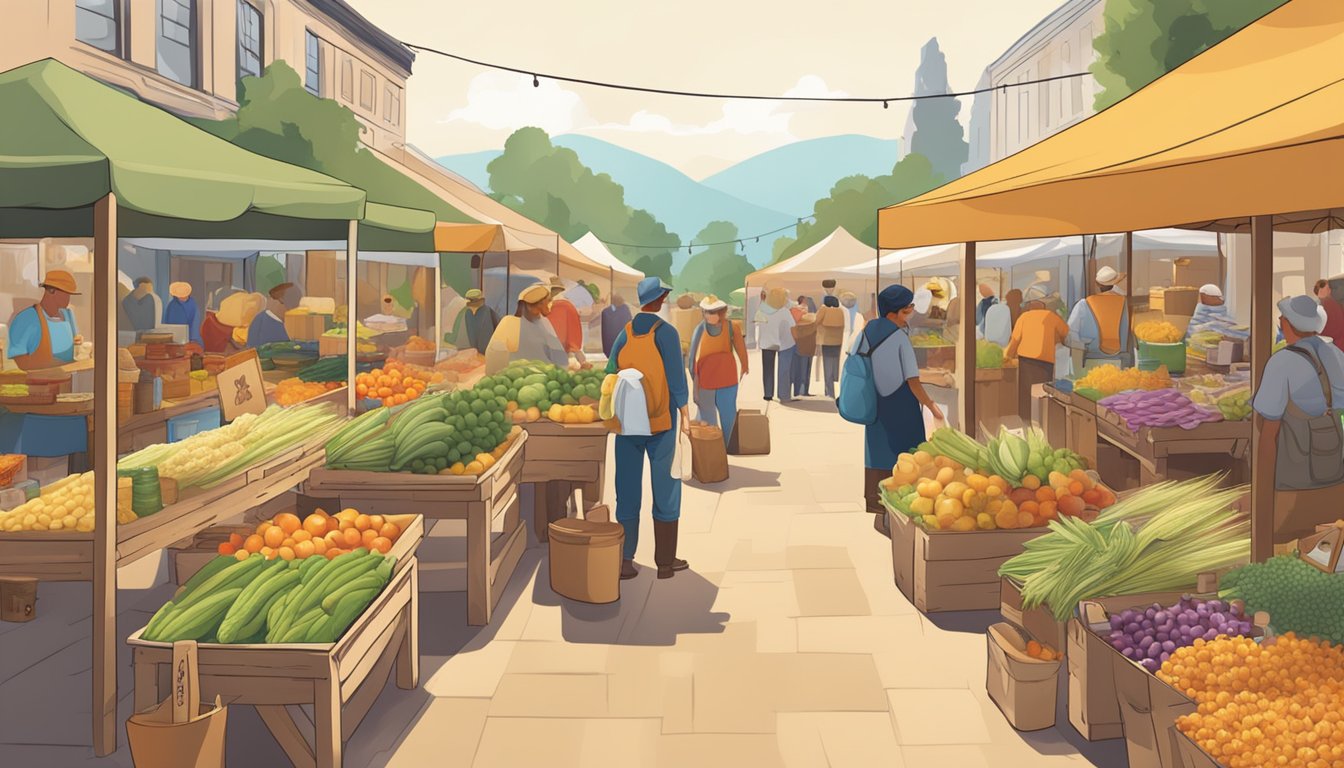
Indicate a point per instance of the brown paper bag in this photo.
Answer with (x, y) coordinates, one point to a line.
(709, 456)
(180, 732)
(751, 434)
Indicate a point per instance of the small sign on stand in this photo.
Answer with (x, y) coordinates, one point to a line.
(241, 389)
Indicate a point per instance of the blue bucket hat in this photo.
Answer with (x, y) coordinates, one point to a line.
(652, 289)
(894, 298)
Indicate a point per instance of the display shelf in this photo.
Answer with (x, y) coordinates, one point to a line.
(479, 500)
(560, 458)
(339, 680)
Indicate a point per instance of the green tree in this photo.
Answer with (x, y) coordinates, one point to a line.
(780, 246)
(552, 186)
(854, 201)
(1145, 39)
(938, 133)
(718, 269)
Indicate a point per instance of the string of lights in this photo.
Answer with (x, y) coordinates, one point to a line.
(885, 101)
(689, 246)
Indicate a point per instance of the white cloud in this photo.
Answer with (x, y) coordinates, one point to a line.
(739, 116)
(505, 101)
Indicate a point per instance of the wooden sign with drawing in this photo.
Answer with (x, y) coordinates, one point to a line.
(240, 386)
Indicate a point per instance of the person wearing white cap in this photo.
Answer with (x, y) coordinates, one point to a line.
(1099, 324)
(1296, 400)
(717, 348)
(1210, 307)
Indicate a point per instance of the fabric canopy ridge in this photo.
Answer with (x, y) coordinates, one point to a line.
(77, 140)
(598, 252)
(1252, 126)
(836, 251)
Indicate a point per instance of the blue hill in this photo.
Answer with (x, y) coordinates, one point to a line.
(793, 177)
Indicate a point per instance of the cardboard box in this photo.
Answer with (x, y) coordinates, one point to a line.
(1180, 301)
(1149, 709)
(1038, 622)
(902, 552)
(306, 326)
(1023, 688)
(959, 571)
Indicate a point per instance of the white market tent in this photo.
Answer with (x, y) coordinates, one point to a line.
(806, 270)
(623, 276)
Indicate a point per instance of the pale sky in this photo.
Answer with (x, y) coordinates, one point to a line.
(851, 47)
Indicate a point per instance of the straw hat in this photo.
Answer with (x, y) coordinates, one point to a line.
(534, 294)
(60, 280)
(179, 290)
(712, 303)
(474, 296)
(1108, 276)
(777, 298)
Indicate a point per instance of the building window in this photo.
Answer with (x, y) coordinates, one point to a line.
(1043, 100)
(367, 83)
(176, 41)
(347, 79)
(98, 23)
(392, 104)
(250, 56)
(312, 64)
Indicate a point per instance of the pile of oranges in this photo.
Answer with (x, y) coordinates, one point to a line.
(289, 538)
(1071, 495)
(1276, 703)
(392, 384)
(294, 390)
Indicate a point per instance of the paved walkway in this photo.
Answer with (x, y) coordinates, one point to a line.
(786, 644)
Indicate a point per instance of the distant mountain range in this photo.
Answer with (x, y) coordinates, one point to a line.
(759, 194)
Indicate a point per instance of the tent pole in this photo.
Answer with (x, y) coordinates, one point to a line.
(104, 449)
(508, 278)
(351, 314)
(1262, 455)
(966, 345)
(1129, 290)
(438, 310)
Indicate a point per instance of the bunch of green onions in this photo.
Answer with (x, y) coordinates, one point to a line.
(1158, 539)
(277, 432)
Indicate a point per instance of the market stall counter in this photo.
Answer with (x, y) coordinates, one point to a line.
(561, 458)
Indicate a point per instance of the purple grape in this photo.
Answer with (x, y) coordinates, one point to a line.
(1145, 641)
(1218, 619)
(1164, 656)
(1162, 617)
(1147, 624)
(1151, 664)
(1128, 651)
(1132, 628)
(1117, 622)
(1154, 651)
(1168, 647)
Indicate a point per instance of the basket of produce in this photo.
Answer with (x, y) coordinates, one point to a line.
(27, 394)
(12, 468)
(416, 351)
(390, 385)
(988, 354)
(295, 390)
(1107, 380)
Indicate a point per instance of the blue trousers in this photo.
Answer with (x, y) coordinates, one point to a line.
(630, 452)
(718, 408)
(784, 373)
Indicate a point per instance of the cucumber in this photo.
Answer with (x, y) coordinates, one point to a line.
(310, 567)
(248, 614)
(208, 570)
(365, 581)
(346, 611)
(299, 629)
(302, 599)
(200, 619)
(160, 617)
(236, 575)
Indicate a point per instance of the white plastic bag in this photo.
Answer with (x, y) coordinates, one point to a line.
(681, 463)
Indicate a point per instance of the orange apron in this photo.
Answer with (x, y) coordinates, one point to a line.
(715, 364)
(41, 357)
(1108, 309)
(641, 353)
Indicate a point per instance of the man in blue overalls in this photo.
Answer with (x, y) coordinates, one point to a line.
(652, 347)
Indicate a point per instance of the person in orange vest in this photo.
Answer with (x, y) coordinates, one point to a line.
(652, 347)
(1099, 324)
(1037, 332)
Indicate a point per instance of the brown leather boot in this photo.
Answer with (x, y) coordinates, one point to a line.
(871, 494)
(628, 570)
(665, 549)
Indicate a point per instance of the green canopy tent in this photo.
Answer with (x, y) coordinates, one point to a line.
(80, 159)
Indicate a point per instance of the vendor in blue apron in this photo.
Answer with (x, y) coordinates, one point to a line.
(900, 422)
(44, 336)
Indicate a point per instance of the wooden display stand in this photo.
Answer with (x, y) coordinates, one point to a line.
(996, 397)
(1152, 447)
(560, 458)
(340, 680)
(479, 500)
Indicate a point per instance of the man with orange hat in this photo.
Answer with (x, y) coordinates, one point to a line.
(44, 335)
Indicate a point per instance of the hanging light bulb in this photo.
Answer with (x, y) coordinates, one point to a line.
(535, 82)
(884, 104)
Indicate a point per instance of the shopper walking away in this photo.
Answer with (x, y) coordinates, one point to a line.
(1037, 333)
(715, 372)
(830, 338)
(1099, 324)
(900, 422)
(805, 340)
(1334, 313)
(777, 334)
(1297, 405)
(614, 318)
(854, 319)
(651, 346)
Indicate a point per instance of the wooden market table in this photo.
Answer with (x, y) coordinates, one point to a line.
(339, 680)
(479, 500)
(995, 395)
(560, 458)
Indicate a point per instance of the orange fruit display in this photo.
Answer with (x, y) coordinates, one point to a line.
(290, 537)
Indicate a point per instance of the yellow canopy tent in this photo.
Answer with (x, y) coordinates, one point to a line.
(1249, 127)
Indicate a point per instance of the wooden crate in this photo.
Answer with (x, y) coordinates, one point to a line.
(1192, 755)
(959, 571)
(340, 680)
(479, 500)
(560, 458)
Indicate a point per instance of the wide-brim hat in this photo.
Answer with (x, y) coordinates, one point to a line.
(712, 303)
(1108, 276)
(179, 290)
(534, 294)
(1303, 313)
(651, 289)
(60, 280)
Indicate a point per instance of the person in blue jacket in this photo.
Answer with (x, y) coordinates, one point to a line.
(269, 326)
(181, 310)
(651, 346)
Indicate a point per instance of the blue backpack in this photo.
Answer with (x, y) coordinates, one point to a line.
(857, 402)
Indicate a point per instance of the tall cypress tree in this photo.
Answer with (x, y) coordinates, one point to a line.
(938, 135)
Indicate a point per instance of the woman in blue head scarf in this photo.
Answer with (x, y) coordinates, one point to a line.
(900, 422)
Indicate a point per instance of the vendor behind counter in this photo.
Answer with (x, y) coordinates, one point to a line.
(40, 337)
